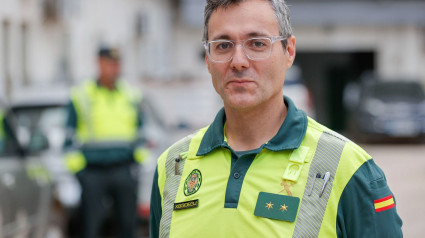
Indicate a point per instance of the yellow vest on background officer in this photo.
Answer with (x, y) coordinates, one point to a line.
(104, 145)
(108, 121)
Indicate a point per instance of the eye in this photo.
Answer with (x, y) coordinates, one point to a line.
(223, 46)
(257, 44)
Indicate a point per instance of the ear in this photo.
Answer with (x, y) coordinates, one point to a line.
(290, 50)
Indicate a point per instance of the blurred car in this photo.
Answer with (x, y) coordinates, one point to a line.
(388, 110)
(296, 90)
(25, 189)
(42, 113)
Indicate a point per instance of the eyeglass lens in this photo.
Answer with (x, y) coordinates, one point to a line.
(254, 48)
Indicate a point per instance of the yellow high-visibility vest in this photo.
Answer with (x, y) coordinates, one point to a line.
(105, 118)
(106, 115)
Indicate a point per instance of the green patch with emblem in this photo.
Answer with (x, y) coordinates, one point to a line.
(193, 182)
(276, 206)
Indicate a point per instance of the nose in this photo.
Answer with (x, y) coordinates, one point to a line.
(239, 60)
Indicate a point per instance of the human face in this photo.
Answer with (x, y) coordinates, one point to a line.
(109, 69)
(243, 83)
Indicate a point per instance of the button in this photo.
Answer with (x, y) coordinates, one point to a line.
(236, 175)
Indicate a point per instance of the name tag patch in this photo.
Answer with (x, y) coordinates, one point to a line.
(186, 205)
(276, 206)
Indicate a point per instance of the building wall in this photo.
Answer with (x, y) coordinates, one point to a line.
(63, 49)
(399, 49)
(188, 53)
(13, 16)
(140, 28)
(402, 53)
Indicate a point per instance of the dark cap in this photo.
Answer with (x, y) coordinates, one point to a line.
(109, 52)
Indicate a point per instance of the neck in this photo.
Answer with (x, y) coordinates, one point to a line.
(248, 130)
(107, 83)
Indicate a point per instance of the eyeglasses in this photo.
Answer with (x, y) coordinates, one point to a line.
(256, 48)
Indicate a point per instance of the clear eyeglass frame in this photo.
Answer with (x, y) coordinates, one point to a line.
(272, 40)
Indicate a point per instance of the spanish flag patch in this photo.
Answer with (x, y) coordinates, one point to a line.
(384, 203)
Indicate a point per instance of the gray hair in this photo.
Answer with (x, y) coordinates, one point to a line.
(280, 8)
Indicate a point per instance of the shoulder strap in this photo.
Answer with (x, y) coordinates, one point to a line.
(313, 205)
(172, 182)
(81, 97)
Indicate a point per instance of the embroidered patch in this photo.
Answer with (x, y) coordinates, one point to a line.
(193, 182)
(384, 203)
(287, 186)
(276, 206)
(186, 205)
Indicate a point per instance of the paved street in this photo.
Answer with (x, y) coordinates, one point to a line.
(404, 166)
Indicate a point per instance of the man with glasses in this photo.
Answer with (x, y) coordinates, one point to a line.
(263, 168)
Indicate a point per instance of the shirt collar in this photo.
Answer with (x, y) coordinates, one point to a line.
(99, 85)
(289, 136)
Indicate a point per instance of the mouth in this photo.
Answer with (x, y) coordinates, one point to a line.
(240, 81)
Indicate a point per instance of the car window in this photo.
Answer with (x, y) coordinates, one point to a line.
(40, 127)
(398, 90)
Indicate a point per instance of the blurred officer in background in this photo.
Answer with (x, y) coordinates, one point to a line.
(104, 145)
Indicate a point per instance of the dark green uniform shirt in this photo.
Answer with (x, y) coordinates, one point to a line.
(357, 214)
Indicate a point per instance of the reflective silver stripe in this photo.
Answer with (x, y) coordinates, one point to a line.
(82, 96)
(312, 208)
(172, 182)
